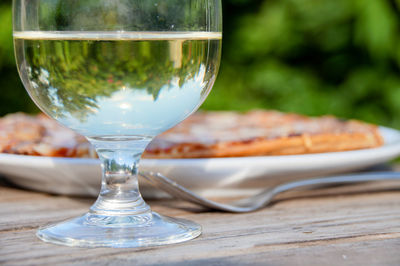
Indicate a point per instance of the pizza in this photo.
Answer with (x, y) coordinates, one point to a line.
(39, 135)
(203, 135)
(257, 133)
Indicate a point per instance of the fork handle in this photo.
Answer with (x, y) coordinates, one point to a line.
(340, 179)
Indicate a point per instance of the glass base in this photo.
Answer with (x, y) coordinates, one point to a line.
(93, 230)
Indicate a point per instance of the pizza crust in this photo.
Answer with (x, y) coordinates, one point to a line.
(281, 146)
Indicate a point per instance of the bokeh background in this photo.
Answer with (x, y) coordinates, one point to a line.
(315, 57)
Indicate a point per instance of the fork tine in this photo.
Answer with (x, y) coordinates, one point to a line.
(189, 195)
(175, 189)
(164, 185)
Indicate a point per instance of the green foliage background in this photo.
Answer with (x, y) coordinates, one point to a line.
(314, 57)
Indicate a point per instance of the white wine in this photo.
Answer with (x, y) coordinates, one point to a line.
(118, 83)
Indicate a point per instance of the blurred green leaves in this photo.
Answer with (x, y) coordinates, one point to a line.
(6, 48)
(314, 57)
(376, 28)
(13, 96)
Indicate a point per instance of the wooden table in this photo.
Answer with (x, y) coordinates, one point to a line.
(337, 226)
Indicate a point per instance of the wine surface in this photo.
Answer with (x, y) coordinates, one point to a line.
(118, 83)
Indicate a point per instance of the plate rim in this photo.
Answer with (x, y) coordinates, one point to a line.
(222, 174)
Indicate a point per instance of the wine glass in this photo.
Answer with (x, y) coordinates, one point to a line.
(118, 72)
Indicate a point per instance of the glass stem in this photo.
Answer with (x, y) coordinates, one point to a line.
(119, 195)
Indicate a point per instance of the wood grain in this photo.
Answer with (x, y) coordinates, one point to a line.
(342, 225)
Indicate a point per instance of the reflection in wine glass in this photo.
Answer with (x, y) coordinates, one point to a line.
(118, 72)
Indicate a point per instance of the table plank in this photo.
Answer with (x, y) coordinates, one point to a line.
(331, 226)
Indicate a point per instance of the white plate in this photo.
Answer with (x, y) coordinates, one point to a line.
(209, 177)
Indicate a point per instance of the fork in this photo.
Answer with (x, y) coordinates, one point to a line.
(262, 199)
